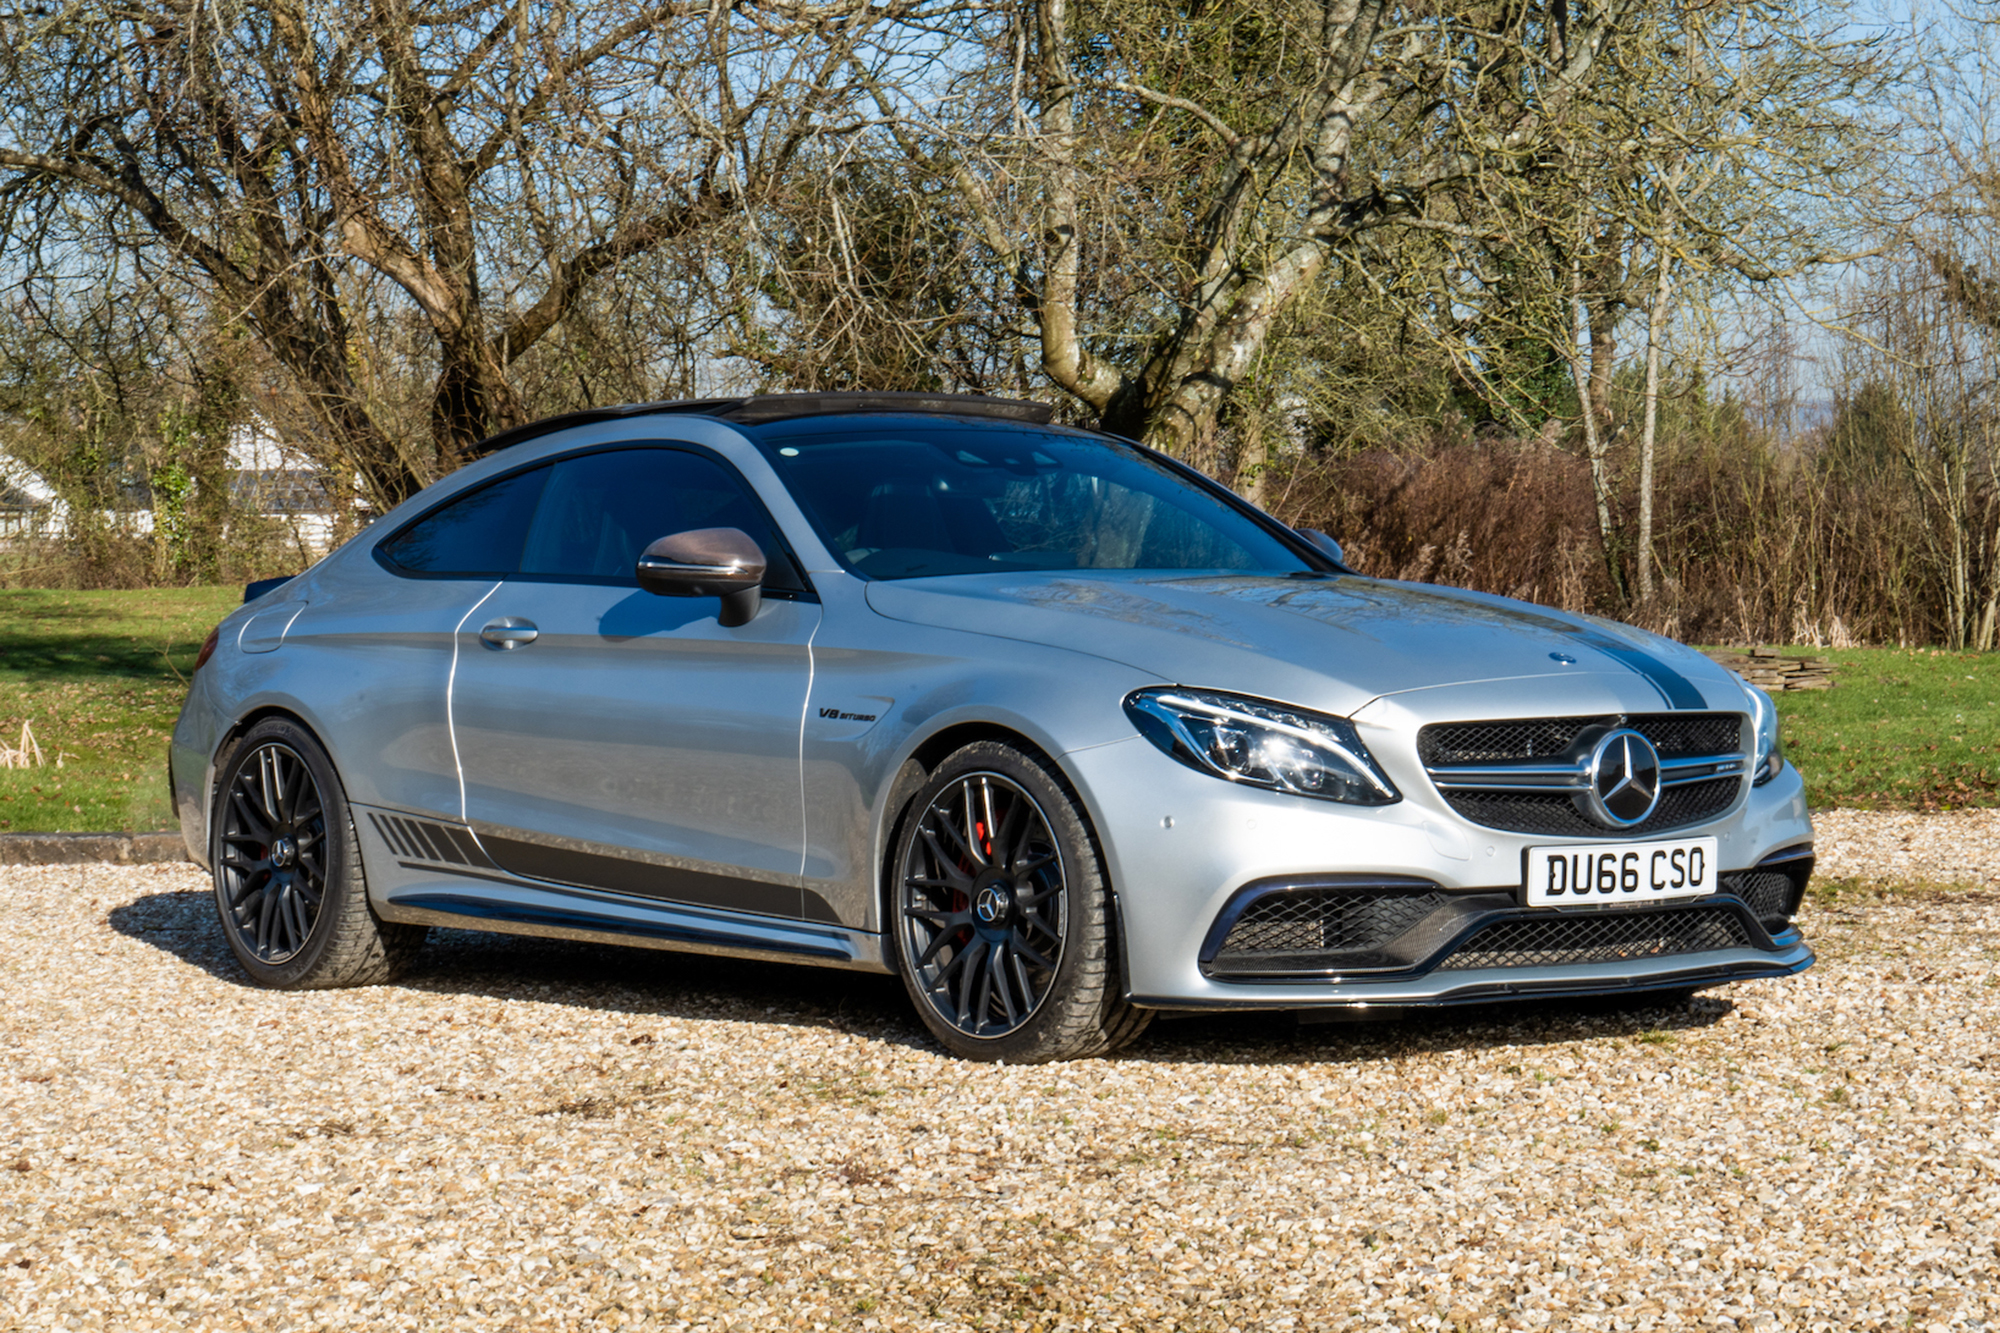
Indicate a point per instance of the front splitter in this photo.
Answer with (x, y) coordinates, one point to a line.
(1484, 985)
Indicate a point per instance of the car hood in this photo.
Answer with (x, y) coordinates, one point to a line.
(1332, 643)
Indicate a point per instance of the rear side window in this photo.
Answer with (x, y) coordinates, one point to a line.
(476, 536)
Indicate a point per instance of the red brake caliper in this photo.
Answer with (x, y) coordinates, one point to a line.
(960, 900)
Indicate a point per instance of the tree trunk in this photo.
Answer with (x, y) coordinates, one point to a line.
(1656, 320)
(1595, 446)
(1253, 454)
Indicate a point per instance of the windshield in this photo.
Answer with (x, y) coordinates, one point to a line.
(900, 500)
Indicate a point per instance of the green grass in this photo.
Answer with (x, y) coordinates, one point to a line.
(100, 676)
(1902, 729)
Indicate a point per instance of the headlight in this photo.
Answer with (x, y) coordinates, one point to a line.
(1770, 758)
(1261, 744)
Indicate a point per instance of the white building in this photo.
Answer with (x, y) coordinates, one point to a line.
(28, 504)
(266, 478)
(275, 481)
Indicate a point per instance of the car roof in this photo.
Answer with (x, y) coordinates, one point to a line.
(760, 409)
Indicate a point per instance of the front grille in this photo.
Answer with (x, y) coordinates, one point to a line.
(1677, 734)
(1328, 920)
(1771, 895)
(1554, 813)
(1672, 734)
(1600, 938)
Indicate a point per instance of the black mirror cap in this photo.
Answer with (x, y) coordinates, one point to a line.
(1325, 545)
(708, 562)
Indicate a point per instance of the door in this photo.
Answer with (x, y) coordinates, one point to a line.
(619, 740)
(391, 641)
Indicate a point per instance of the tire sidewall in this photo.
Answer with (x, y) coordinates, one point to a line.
(339, 850)
(1085, 913)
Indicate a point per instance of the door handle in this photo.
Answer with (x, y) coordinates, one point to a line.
(509, 632)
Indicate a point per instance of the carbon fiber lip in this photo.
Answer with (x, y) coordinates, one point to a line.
(1443, 989)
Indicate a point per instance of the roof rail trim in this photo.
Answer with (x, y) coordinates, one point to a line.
(758, 409)
(781, 406)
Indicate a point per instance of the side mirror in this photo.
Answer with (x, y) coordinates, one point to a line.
(707, 562)
(1325, 545)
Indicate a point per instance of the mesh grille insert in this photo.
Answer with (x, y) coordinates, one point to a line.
(1677, 734)
(1555, 814)
(1672, 734)
(1770, 894)
(1599, 938)
(1327, 921)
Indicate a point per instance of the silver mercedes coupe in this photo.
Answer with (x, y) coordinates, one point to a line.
(1056, 729)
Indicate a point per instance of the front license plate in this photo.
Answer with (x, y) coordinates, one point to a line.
(1621, 872)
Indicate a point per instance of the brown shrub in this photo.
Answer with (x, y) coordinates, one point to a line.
(1753, 544)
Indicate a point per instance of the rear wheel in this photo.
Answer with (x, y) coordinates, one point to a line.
(1002, 922)
(288, 879)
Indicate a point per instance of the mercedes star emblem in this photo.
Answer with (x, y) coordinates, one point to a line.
(1624, 780)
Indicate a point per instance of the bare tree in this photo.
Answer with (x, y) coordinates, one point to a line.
(1162, 182)
(325, 167)
(1722, 152)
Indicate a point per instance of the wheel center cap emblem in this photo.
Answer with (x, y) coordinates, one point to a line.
(992, 904)
(283, 852)
(1624, 780)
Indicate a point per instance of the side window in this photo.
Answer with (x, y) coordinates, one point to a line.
(476, 536)
(599, 511)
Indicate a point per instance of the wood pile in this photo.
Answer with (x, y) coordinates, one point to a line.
(1770, 671)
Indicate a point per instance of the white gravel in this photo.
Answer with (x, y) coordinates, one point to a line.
(1962, 847)
(536, 1135)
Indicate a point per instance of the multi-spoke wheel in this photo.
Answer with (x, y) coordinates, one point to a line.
(288, 879)
(271, 874)
(1002, 922)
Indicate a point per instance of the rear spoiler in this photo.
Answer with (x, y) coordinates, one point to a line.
(252, 591)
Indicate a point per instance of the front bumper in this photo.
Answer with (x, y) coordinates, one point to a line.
(1184, 848)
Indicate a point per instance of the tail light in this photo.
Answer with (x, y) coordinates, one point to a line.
(207, 648)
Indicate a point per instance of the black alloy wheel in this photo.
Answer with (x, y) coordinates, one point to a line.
(984, 905)
(271, 874)
(289, 884)
(1002, 923)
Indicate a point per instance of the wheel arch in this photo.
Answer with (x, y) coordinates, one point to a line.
(225, 745)
(241, 727)
(916, 769)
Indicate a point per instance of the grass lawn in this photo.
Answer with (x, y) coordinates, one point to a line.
(100, 677)
(1903, 729)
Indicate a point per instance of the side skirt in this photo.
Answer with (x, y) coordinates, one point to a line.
(516, 909)
(469, 892)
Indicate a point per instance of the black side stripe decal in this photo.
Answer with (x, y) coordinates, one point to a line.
(425, 841)
(441, 846)
(387, 831)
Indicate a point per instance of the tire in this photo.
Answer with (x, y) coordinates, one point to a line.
(1001, 918)
(289, 885)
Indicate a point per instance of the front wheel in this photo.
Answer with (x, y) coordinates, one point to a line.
(1002, 920)
(288, 879)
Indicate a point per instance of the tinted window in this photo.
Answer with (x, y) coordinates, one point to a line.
(898, 502)
(599, 511)
(477, 535)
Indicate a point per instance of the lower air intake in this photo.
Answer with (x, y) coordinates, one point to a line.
(1600, 938)
(1771, 895)
(1319, 929)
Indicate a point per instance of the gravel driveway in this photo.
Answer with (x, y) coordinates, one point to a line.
(526, 1134)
